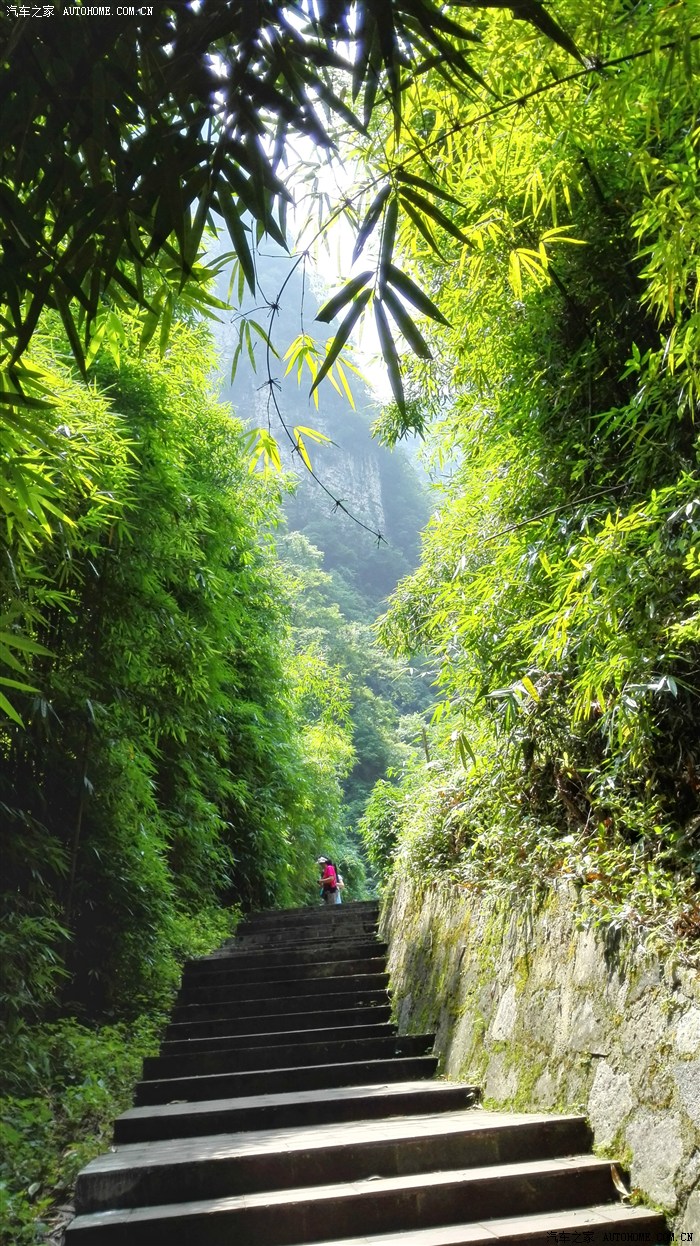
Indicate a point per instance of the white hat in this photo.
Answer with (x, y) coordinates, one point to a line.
(322, 860)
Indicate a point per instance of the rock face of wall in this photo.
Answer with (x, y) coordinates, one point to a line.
(545, 1012)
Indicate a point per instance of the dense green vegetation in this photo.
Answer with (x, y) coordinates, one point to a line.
(175, 756)
(558, 587)
(154, 768)
(385, 698)
(188, 688)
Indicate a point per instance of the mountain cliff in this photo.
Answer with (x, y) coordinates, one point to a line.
(381, 488)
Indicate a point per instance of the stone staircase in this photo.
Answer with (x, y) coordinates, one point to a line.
(284, 1109)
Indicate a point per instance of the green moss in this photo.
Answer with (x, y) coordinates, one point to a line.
(618, 1150)
(521, 972)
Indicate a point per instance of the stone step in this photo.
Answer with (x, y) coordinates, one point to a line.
(595, 1226)
(353, 950)
(281, 1081)
(358, 910)
(285, 1055)
(332, 930)
(358, 997)
(294, 941)
(380, 1204)
(296, 1108)
(322, 918)
(276, 1022)
(236, 1042)
(279, 1114)
(263, 988)
(195, 987)
(178, 1171)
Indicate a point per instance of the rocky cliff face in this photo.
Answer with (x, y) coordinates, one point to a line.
(379, 487)
(544, 1011)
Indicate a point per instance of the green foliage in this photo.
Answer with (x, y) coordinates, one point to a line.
(164, 128)
(59, 1112)
(378, 695)
(164, 769)
(32, 968)
(557, 592)
(379, 825)
(101, 102)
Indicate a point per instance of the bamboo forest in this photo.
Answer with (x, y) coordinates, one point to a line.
(250, 611)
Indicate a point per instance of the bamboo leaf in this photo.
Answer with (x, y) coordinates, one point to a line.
(422, 226)
(9, 710)
(313, 433)
(16, 683)
(410, 331)
(12, 398)
(432, 210)
(390, 356)
(415, 295)
(264, 335)
(238, 234)
(166, 322)
(534, 12)
(301, 450)
(433, 188)
(331, 308)
(70, 328)
(342, 336)
(371, 218)
(514, 274)
(340, 373)
(391, 217)
(530, 687)
(23, 643)
(463, 748)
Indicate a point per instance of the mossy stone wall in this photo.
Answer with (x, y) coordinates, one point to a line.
(543, 1011)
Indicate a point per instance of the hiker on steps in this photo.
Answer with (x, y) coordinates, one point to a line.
(329, 881)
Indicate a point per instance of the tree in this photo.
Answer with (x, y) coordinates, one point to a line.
(557, 589)
(121, 135)
(382, 696)
(165, 768)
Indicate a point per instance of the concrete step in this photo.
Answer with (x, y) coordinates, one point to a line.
(304, 935)
(283, 942)
(595, 1226)
(354, 950)
(178, 1171)
(273, 944)
(282, 1081)
(276, 1022)
(296, 1108)
(285, 1056)
(263, 988)
(268, 964)
(358, 997)
(279, 1114)
(313, 914)
(195, 987)
(325, 923)
(320, 919)
(236, 1042)
(292, 1216)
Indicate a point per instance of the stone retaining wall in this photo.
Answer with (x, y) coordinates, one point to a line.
(545, 1012)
